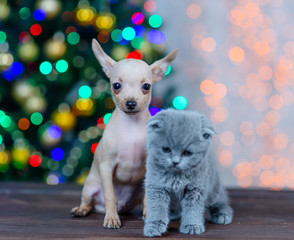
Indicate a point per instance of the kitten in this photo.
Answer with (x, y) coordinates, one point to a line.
(181, 176)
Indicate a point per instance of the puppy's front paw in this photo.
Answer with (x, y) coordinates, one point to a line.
(154, 229)
(221, 218)
(80, 211)
(192, 229)
(111, 222)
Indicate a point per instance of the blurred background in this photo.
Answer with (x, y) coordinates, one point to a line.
(234, 65)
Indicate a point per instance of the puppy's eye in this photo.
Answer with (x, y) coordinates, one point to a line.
(206, 135)
(146, 86)
(166, 149)
(116, 86)
(187, 153)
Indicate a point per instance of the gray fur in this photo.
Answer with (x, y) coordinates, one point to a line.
(186, 190)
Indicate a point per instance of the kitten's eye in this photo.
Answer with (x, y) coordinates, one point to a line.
(166, 149)
(116, 86)
(206, 135)
(187, 153)
(146, 86)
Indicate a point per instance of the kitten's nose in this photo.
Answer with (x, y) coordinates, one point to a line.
(175, 164)
(131, 105)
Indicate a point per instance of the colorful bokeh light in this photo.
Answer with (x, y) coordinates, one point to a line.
(45, 67)
(57, 154)
(128, 33)
(85, 91)
(36, 29)
(36, 118)
(106, 118)
(73, 38)
(180, 102)
(155, 21)
(138, 18)
(39, 14)
(35, 160)
(3, 37)
(61, 66)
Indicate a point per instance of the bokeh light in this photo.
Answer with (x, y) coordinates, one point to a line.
(45, 67)
(23, 124)
(54, 131)
(73, 38)
(106, 118)
(35, 160)
(155, 21)
(138, 18)
(93, 147)
(36, 118)
(128, 33)
(39, 14)
(25, 13)
(180, 102)
(85, 91)
(61, 66)
(155, 36)
(57, 154)
(36, 29)
(154, 110)
(3, 37)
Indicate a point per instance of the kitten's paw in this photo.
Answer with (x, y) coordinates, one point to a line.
(111, 222)
(192, 229)
(221, 218)
(80, 211)
(154, 229)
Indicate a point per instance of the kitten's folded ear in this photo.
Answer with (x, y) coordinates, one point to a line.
(154, 124)
(207, 127)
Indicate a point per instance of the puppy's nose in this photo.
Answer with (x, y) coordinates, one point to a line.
(131, 105)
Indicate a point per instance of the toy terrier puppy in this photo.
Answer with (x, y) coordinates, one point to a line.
(115, 181)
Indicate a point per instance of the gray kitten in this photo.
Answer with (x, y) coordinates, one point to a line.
(181, 176)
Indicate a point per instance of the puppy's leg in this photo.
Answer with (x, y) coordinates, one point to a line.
(192, 221)
(221, 212)
(92, 186)
(111, 219)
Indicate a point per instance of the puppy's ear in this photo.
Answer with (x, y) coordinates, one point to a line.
(105, 61)
(159, 67)
(207, 128)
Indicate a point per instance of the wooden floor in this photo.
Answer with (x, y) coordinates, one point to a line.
(39, 211)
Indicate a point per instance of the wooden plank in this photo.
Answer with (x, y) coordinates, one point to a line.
(39, 211)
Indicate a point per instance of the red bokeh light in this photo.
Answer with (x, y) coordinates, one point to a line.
(135, 54)
(36, 29)
(93, 147)
(35, 161)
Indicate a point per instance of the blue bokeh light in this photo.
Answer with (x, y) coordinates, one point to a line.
(54, 131)
(57, 154)
(154, 110)
(16, 68)
(155, 36)
(140, 31)
(39, 14)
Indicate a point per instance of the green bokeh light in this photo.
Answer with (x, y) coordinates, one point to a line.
(61, 66)
(6, 122)
(45, 68)
(2, 37)
(137, 42)
(25, 13)
(128, 33)
(1, 139)
(85, 91)
(4, 167)
(180, 102)
(155, 21)
(2, 116)
(73, 38)
(168, 70)
(36, 118)
(106, 118)
(116, 35)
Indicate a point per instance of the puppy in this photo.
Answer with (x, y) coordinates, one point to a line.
(115, 180)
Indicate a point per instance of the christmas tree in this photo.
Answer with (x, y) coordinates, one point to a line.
(54, 98)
